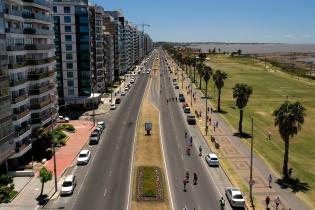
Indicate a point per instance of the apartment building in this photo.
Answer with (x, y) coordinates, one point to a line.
(7, 146)
(109, 58)
(31, 68)
(73, 53)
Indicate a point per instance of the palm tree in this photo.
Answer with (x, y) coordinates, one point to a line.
(241, 92)
(200, 69)
(288, 117)
(218, 78)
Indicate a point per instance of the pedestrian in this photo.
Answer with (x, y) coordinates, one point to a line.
(269, 180)
(211, 110)
(217, 124)
(187, 176)
(210, 120)
(213, 127)
(191, 140)
(208, 109)
(184, 182)
(200, 113)
(200, 150)
(277, 202)
(269, 135)
(267, 201)
(195, 178)
(290, 172)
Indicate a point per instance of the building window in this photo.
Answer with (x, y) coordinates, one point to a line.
(55, 9)
(70, 74)
(69, 56)
(70, 92)
(66, 9)
(68, 38)
(84, 29)
(68, 47)
(69, 65)
(70, 83)
(67, 28)
(67, 19)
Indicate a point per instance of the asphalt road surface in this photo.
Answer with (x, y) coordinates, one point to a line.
(104, 183)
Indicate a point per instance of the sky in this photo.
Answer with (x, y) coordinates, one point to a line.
(285, 21)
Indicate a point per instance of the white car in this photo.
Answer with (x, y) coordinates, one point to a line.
(212, 159)
(126, 88)
(68, 185)
(101, 124)
(123, 93)
(84, 157)
(113, 107)
(235, 197)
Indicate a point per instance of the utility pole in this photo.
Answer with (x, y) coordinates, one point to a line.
(251, 181)
(53, 147)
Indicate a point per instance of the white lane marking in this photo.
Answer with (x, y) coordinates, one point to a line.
(133, 149)
(110, 173)
(105, 192)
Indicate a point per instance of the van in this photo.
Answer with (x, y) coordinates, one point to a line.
(212, 160)
(68, 185)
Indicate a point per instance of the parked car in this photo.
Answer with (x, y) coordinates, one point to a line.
(191, 120)
(235, 197)
(94, 137)
(181, 98)
(174, 80)
(187, 110)
(212, 159)
(113, 106)
(68, 185)
(101, 124)
(62, 119)
(123, 93)
(184, 105)
(126, 88)
(176, 86)
(99, 129)
(117, 101)
(84, 157)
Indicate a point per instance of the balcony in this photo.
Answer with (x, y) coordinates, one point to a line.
(39, 2)
(40, 90)
(14, 83)
(40, 118)
(15, 48)
(38, 31)
(38, 16)
(13, 12)
(21, 114)
(39, 61)
(14, 30)
(17, 99)
(19, 132)
(16, 65)
(37, 76)
(39, 46)
(40, 104)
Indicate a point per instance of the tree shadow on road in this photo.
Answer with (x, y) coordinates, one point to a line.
(295, 184)
(243, 135)
(42, 199)
(221, 111)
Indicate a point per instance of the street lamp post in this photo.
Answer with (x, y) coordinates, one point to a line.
(251, 182)
(53, 146)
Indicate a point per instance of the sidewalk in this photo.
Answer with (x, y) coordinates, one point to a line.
(65, 156)
(238, 154)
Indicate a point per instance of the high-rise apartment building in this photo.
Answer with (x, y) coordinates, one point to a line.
(109, 57)
(30, 65)
(73, 53)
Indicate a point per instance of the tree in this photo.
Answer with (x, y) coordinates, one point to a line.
(207, 72)
(239, 52)
(288, 117)
(6, 187)
(200, 69)
(218, 78)
(45, 176)
(241, 92)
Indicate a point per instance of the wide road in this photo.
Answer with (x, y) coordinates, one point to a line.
(105, 182)
(211, 181)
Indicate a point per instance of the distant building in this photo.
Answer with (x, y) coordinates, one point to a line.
(109, 58)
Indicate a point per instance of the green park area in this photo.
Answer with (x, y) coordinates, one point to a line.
(270, 89)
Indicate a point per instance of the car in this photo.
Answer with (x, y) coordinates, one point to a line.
(129, 85)
(235, 197)
(62, 119)
(181, 98)
(191, 120)
(126, 88)
(143, 72)
(123, 93)
(132, 81)
(148, 72)
(184, 105)
(176, 86)
(101, 124)
(94, 137)
(187, 110)
(113, 106)
(117, 101)
(84, 157)
(174, 80)
(212, 159)
(68, 185)
(99, 129)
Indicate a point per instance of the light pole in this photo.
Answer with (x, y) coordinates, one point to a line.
(251, 181)
(93, 99)
(53, 146)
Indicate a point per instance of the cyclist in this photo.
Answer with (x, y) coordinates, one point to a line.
(195, 178)
(222, 202)
(167, 101)
(187, 176)
(186, 134)
(200, 150)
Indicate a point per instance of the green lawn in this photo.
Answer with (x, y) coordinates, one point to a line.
(149, 182)
(270, 89)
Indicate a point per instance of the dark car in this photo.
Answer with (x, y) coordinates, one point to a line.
(95, 137)
(117, 101)
(181, 98)
(191, 120)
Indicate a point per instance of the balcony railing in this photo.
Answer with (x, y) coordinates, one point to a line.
(40, 118)
(40, 90)
(39, 46)
(38, 16)
(13, 12)
(37, 76)
(40, 104)
(15, 48)
(39, 61)
(17, 99)
(17, 82)
(21, 131)
(38, 31)
(16, 65)
(14, 30)
(39, 2)
(17, 116)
